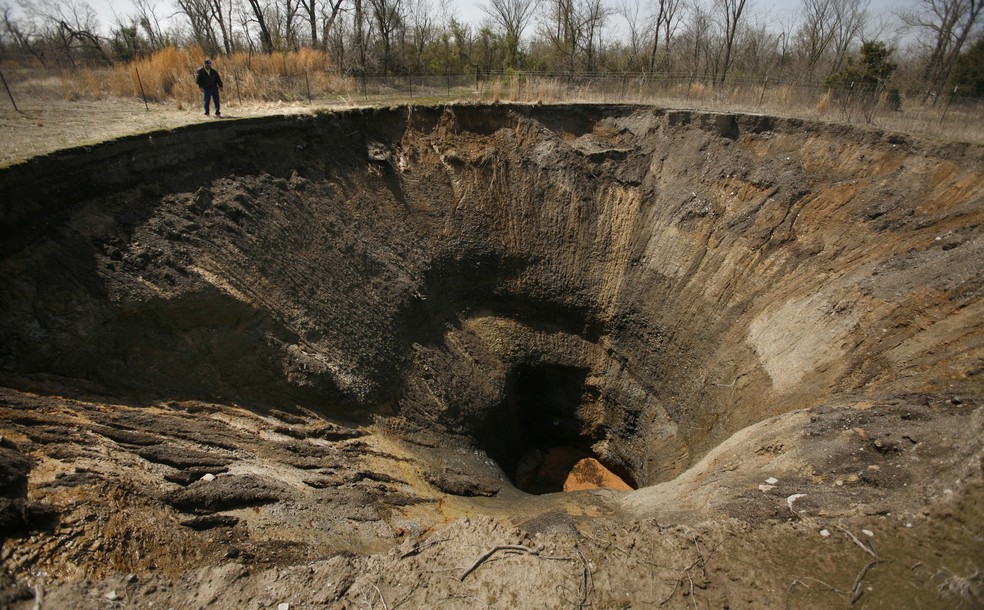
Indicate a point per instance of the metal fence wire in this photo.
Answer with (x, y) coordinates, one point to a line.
(953, 115)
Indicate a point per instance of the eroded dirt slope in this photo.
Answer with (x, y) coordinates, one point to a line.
(363, 325)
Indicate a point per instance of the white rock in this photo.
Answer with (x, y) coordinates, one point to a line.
(868, 533)
(766, 487)
(283, 606)
(112, 596)
(772, 480)
(793, 498)
(208, 477)
(825, 533)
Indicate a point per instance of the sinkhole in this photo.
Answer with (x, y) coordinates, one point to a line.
(582, 292)
(543, 433)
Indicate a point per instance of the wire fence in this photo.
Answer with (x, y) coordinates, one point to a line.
(953, 116)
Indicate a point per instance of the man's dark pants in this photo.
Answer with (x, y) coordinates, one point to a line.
(212, 94)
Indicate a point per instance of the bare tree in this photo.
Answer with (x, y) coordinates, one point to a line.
(321, 16)
(631, 12)
(220, 11)
(69, 25)
(24, 36)
(663, 22)
(387, 17)
(850, 21)
(511, 17)
(420, 32)
(816, 32)
(594, 16)
(730, 14)
(329, 15)
(697, 38)
(199, 16)
(944, 26)
(150, 23)
(258, 17)
(287, 13)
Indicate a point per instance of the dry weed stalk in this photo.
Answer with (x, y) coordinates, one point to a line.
(168, 75)
(969, 589)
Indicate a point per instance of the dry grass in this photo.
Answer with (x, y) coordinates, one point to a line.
(168, 76)
(963, 121)
(308, 77)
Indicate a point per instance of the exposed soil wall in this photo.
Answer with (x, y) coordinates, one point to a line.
(774, 328)
(698, 272)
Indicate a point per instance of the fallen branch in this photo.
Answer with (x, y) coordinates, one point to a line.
(585, 576)
(502, 547)
(416, 549)
(672, 592)
(856, 591)
(700, 556)
(686, 572)
(859, 543)
(381, 598)
(796, 581)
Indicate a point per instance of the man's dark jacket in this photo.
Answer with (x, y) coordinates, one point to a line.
(208, 79)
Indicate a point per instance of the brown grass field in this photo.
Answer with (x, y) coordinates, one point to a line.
(82, 107)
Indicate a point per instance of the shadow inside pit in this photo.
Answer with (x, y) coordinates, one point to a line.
(543, 432)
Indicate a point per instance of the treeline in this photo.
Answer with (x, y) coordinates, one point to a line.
(715, 41)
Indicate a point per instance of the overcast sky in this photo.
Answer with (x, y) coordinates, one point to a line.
(780, 13)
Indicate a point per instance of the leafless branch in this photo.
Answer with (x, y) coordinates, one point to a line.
(502, 547)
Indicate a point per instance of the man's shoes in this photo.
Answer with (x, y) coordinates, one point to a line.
(218, 114)
(206, 114)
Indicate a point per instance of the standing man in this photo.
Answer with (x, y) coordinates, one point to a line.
(210, 83)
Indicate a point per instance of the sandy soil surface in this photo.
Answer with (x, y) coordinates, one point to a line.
(44, 127)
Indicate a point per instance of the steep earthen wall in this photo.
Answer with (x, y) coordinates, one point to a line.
(693, 273)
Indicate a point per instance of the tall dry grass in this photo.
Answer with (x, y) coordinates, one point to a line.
(169, 76)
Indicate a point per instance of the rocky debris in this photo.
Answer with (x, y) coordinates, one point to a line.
(457, 483)
(12, 591)
(188, 476)
(14, 468)
(589, 473)
(17, 513)
(224, 493)
(307, 455)
(565, 469)
(128, 437)
(77, 478)
(323, 431)
(329, 480)
(172, 423)
(206, 522)
(181, 457)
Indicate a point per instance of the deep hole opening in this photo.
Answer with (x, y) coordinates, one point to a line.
(543, 432)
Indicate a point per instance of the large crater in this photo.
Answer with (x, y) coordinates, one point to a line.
(621, 282)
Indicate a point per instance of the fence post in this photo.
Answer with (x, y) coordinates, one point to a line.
(239, 95)
(307, 83)
(9, 94)
(142, 94)
(762, 95)
(948, 101)
(448, 76)
(410, 81)
(365, 87)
